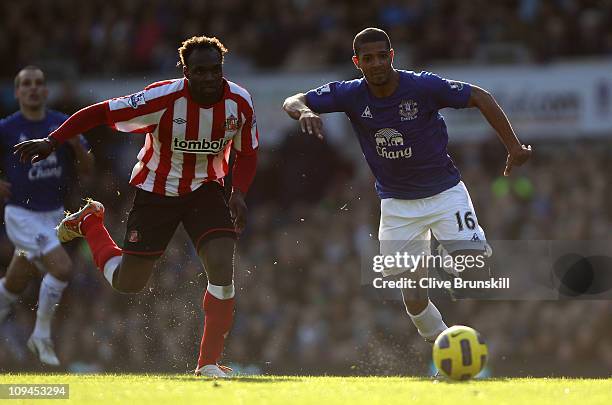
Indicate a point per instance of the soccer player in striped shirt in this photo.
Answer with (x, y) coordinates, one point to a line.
(190, 125)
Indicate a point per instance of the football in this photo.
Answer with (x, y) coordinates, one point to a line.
(460, 352)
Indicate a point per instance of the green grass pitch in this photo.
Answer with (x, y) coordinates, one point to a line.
(292, 390)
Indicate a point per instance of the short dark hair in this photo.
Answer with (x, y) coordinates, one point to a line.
(370, 35)
(29, 67)
(202, 42)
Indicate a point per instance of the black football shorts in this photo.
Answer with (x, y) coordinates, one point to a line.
(154, 218)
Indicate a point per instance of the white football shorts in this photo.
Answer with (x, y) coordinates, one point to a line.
(406, 225)
(32, 232)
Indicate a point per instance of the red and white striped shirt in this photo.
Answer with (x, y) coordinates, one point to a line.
(186, 143)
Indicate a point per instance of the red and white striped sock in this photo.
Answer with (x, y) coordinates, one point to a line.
(218, 319)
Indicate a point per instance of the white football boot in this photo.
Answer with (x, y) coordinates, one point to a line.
(43, 349)
(214, 370)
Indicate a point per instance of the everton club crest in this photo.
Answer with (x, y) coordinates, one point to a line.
(408, 110)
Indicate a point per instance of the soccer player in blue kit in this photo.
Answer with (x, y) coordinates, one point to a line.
(394, 114)
(34, 195)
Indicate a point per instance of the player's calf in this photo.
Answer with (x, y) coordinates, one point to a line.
(422, 312)
(416, 298)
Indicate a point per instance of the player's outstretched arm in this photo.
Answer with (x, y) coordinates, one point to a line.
(517, 152)
(295, 106)
(81, 121)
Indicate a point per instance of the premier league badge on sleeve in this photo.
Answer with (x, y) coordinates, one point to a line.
(408, 110)
(323, 89)
(455, 85)
(136, 100)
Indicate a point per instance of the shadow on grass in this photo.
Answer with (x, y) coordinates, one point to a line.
(245, 379)
(473, 380)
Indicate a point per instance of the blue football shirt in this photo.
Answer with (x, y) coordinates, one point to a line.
(40, 186)
(403, 137)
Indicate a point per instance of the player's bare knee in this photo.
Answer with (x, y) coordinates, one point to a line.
(132, 276)
(127, 282)
(129, 286)
(129, 289)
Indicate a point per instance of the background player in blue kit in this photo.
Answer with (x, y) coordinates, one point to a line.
(34, 195)
(394, 114)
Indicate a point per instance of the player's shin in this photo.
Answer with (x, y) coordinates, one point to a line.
(218, 317)
(51, 290)
(423, 313)
(7, 298)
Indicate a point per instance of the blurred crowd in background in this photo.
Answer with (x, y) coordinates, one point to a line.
(300, 303)
(117, 37)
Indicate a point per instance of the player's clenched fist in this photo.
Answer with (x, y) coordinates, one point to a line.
(311, 123)
(238, 210)
(516, 157)
(34, 150)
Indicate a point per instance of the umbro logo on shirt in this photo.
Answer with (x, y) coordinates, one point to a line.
(179, 120)
(366, 113)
